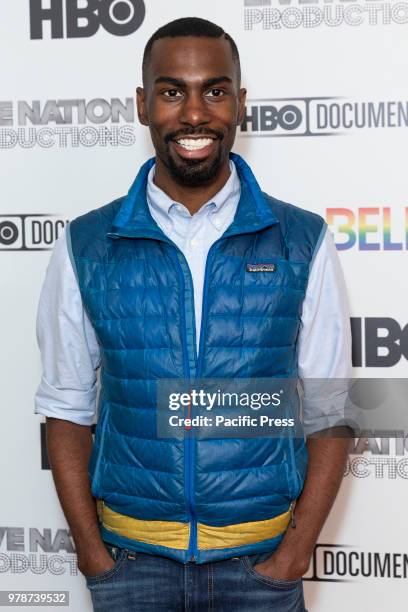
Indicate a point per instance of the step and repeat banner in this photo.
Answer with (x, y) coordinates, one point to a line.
(325, 128)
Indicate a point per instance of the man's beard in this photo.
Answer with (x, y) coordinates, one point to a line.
(191, 172)
(194, 173)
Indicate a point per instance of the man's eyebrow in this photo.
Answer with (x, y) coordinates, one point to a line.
(172, 80)
(182, 82)
(216, 80)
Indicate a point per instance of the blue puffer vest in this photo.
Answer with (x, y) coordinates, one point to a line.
(192, 499)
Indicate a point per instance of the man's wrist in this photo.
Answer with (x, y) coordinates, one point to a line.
(86, 546)
(296, 546)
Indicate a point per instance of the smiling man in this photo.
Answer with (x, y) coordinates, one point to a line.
(192, 111)
(194, 274)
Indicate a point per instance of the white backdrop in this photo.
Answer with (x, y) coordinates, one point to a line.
(340, 67)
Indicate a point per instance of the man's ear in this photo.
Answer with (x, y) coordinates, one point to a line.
(241, 105)
(141, 106)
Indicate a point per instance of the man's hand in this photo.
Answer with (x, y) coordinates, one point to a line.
(282, 566)
(327, 457)
(96, 562)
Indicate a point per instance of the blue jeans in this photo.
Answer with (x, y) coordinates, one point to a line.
(140, 582)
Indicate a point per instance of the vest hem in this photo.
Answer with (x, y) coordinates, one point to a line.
(183, 556)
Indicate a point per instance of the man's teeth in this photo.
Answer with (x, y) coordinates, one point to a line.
(194, 144)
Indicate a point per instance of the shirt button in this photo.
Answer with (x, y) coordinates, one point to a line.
(193, 242)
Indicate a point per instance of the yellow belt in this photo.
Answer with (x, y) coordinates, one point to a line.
(175, 534)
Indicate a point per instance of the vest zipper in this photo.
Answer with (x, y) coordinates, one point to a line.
(193, 535)
(292, 514)
(193, 544)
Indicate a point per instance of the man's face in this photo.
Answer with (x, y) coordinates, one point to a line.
(192, 103)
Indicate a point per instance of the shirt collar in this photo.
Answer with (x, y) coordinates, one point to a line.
(254, 212)
(163, 209)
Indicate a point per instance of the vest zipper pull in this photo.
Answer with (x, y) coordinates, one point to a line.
(292, 515)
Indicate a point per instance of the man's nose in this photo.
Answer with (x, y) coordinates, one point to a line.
(194, 111)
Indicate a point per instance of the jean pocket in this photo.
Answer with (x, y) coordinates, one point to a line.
(249, 561)
(118, 555)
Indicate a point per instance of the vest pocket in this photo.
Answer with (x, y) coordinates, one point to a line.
(98, 449)
(292, 472)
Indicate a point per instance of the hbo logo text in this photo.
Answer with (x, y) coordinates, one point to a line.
(82, 19)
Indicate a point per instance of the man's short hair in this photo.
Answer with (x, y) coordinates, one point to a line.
(190, 26)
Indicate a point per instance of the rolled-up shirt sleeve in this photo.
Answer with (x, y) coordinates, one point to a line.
(324, 344)
(69, 348)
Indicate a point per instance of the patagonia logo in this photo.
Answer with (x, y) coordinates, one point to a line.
(267, 267)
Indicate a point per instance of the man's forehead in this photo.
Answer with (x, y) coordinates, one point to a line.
(191, 58)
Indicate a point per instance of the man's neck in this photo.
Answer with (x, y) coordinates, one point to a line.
(193, 198)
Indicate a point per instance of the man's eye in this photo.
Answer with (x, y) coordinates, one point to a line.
(215, 93)
(172, 93)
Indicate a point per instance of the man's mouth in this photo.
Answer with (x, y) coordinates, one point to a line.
(195, 147)
(194, 144)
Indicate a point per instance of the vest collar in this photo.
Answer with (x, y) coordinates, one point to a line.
(134, 220)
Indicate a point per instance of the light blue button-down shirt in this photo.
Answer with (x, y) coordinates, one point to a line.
(195, 234)
(69, 348)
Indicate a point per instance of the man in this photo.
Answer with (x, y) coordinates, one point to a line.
(195, 274)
